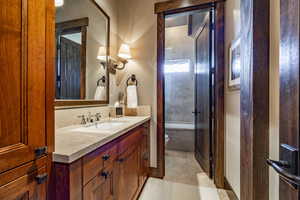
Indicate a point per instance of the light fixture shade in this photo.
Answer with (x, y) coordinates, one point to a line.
(101, 53)
(59, 3)
(124, 51)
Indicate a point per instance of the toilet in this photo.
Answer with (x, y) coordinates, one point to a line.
(167, 139)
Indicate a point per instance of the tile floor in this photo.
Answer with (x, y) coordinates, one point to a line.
(184, 180)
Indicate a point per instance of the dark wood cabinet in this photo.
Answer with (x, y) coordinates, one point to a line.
(128, 179)
(116, 171)
(26, 113)
(101, 186)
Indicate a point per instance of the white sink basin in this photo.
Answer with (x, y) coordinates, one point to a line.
(102, 127)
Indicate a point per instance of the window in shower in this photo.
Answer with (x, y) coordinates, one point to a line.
(177, 66)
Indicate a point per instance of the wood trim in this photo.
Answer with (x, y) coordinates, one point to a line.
(71, 24)
(50, 72)
(159, 171)
(255, 100)
(50, 87)
(219, 126)
(227, 186)
(179, 4)
(60, 103)
(83, 62)
(85, 22)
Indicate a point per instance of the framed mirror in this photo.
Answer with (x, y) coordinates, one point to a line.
(82, 52)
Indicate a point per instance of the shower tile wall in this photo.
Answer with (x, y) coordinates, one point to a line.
(179, 86)
(179, 89)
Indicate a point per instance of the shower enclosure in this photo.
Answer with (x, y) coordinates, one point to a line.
(179, 72)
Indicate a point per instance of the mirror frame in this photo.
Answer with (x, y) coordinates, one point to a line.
(76, 103)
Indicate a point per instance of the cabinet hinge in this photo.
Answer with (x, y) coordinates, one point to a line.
(40, 179)
(39, 152)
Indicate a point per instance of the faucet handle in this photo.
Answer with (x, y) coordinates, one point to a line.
(98, 116)
(83, 120)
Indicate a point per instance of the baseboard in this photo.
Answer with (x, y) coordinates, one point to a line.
(137, 196)
(154, 173)
(229, 187)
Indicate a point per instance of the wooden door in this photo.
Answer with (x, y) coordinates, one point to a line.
(70, 69)
(25, 188)
(289, 86)
(22, 83)
(128, 174)
(203, 97)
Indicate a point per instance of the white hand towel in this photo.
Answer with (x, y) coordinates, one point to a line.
(132, 97)
(100, 93)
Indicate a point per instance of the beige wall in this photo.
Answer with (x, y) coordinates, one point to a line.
(274, 94)
(232, 102)
(137, 27)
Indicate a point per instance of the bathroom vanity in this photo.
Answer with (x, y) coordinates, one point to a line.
(107, 161)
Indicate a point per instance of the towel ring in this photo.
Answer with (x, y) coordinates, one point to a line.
(133, 79)
(101, 80)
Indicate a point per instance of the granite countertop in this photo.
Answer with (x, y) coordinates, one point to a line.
(71, 143)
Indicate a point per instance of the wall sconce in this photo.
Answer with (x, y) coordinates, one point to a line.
(124, 54)
(115, 64)
(102, 56)
(59, 3)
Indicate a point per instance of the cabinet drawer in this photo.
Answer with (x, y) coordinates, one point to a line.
(133, 137)
(92, 165)
(100, 187)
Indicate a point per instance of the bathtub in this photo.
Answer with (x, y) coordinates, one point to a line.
(181, 136)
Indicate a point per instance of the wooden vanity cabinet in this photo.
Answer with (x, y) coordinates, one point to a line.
(116, 171)
(26, 103)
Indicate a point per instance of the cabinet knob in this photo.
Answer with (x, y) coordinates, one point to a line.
(104, 174)
(42, 178)
(39, 152)
(146, 157)
(106, 157)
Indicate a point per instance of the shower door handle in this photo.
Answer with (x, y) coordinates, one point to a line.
(196, 113)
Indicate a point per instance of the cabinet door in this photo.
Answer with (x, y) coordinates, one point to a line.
(128, 177)
(22, 83)
(100, 187)
(25, 188)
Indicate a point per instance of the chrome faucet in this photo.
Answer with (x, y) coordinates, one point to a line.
(89, 118)
(83, 120)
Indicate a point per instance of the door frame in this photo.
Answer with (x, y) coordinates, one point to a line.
(254, 95)
(171, 7)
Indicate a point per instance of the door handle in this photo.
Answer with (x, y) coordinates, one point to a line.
(277, 166)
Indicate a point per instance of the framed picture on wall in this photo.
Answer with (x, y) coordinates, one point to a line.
(234, 65)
